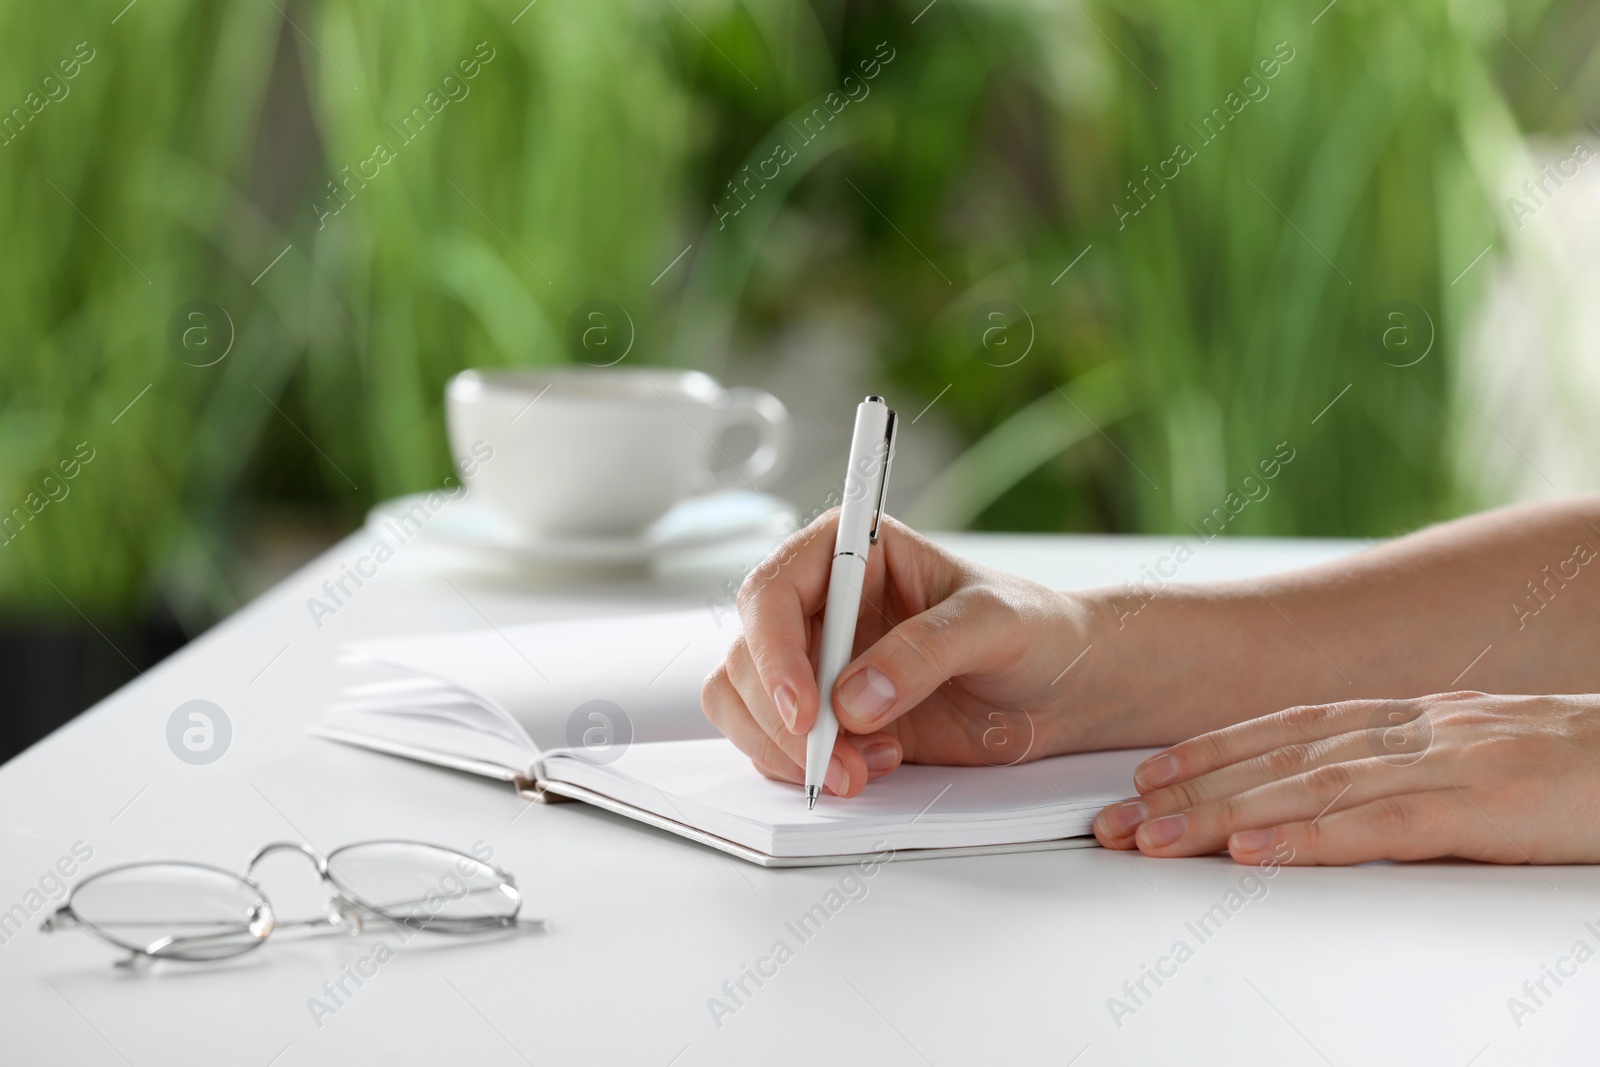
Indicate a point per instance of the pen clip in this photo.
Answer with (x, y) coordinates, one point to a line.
(889, 434)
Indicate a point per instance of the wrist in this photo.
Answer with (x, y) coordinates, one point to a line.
(1115, 695)
(1083, 674)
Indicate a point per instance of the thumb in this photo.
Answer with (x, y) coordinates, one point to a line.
(963, 633)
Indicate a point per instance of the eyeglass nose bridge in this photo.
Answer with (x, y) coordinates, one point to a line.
(342, 912)
(318, 860)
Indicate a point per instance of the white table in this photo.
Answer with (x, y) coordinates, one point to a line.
(996, 960)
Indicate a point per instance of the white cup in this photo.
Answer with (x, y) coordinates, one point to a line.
(604, 452)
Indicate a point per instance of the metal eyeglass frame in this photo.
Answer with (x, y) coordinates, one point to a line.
(346, 908)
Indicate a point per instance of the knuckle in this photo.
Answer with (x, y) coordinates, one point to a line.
(1287, 761)
(891, 531)
(762, 665)
(748, 588)
(1306, 720)
(1329, 781)
(773, 754)
(753, 661)
(1392, 817)
(923, 635)
(756, 580)
(1226, 811)
(926, 630)
(714, 691)
(776, 772)
(741, 666)
(1213, 750)
(783, 555)
(1181, 797)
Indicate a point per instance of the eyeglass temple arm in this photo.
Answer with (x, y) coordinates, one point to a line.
(154, 951)
(60, 919)
(141, 957)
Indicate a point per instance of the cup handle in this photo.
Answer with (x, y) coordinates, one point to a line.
(758, 408)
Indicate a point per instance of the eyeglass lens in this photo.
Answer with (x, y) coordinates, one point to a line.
(174, 910)
(424, 885)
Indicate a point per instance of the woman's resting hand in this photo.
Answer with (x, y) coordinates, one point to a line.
(1503, 779)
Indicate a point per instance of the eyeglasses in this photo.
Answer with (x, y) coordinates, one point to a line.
(175, 910)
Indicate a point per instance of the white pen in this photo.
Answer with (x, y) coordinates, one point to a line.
(866, 480)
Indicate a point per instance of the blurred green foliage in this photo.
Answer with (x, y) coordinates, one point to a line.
(589, 147)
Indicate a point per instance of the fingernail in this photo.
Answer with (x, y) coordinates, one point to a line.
(1163, 831)
(836, 779)
(788, 706)
(1124, 817)
(1251, 840)
(1157, 771)
(867, 695)
(881, 756)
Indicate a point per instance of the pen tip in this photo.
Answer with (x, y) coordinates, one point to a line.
(811, 797)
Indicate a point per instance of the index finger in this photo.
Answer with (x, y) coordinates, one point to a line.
(775, 602)
(1256, 737)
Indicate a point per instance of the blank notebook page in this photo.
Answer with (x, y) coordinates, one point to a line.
(711, 786)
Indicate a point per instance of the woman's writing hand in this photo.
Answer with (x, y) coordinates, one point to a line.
(954, 663)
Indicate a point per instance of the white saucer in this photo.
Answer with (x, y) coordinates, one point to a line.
(702, 522)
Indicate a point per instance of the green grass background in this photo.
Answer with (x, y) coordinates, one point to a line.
(1211, 326)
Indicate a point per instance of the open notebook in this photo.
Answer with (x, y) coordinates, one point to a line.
(607, 711)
